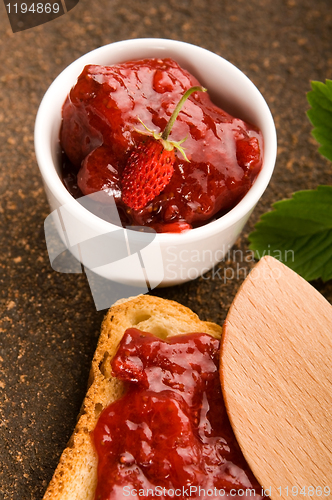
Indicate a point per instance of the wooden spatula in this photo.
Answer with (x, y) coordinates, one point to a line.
(276, 373)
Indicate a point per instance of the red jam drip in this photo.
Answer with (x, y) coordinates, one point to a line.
(170, 431)
(98, 133)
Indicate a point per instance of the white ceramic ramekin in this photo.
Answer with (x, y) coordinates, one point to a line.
(169, 259)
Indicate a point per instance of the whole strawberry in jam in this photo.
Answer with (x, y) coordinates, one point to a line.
(102, 129)
(150, 166)
(147, 172)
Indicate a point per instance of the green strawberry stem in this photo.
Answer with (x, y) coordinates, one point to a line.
(163, 137)
(177, 110)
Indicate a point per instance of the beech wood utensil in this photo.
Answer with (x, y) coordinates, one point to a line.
(276, 374)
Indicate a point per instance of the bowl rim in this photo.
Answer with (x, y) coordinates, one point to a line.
(54, 183)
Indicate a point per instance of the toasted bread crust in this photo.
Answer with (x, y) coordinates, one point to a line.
(75, 477)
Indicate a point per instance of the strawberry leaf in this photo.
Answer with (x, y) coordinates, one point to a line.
(298, 232)
(320, 115)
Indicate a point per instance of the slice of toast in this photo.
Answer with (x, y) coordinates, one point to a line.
(75, 477)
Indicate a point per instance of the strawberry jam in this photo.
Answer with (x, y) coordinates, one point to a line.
(169, 435)
(101, 116)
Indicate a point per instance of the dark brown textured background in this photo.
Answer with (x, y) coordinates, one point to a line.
(48, 323)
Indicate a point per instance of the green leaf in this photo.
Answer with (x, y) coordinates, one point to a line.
(320, 115)
(298, 232)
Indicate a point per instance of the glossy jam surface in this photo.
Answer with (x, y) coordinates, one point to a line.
(170, 431)
(98, 133)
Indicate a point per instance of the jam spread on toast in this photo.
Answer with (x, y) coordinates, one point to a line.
(169, 434)
(102, 120)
